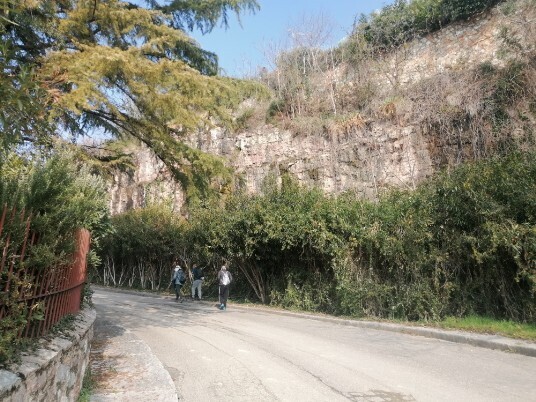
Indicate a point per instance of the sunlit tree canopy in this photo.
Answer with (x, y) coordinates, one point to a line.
(78, 67)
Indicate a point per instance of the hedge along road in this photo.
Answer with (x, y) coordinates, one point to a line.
(250, 355)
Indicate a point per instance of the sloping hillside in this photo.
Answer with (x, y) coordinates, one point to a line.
(391, 118)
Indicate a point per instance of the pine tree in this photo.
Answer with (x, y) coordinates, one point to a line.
(125, 69)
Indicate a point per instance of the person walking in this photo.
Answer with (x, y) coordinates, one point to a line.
(178, 280)
(198, 281)
(224, 278)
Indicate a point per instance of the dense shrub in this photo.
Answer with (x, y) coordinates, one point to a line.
(461, 244)
(486, 221)
(142, 249)
(283, 241)
(59, 196)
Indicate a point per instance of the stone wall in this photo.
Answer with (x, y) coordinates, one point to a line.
(54, 372)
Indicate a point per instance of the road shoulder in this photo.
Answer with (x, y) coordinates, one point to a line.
(123, 368)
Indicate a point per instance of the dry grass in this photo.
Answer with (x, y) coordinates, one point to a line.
(459, 109)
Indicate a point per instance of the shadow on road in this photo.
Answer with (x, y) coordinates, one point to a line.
(132, 306)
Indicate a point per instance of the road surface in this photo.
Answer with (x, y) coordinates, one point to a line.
(251, 355)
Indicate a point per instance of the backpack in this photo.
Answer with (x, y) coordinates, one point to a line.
(181, 277)
(225, 279)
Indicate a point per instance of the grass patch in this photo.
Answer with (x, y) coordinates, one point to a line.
(477, 324)
(491, 326)
(87, 386)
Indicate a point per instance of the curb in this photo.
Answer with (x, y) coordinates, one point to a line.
(54, 367)
(495, 342)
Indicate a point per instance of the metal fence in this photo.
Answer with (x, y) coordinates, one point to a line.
(49, 294)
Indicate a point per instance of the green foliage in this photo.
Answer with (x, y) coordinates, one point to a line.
(463, 243)
(305, 294)
(487, 212)
(453, 10)
(241, 121)
(23, 98)
(21, 106)
(404, 20)
(123, 69)
(204, 14)
(88, 386)
(488, 325)
(275, 108)
(507, 88)
(142, 248)
(279, 241)
(60, 197)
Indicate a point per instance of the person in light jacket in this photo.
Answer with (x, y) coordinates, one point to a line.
(224, 279)
(179, 277)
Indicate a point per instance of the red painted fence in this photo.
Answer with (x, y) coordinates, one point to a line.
(53, 292)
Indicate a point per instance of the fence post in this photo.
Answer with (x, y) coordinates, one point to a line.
(79, 272)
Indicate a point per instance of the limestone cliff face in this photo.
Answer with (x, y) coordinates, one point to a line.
(363, 157)
(150, 182)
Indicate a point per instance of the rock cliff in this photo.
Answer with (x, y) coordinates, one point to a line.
(363, 156)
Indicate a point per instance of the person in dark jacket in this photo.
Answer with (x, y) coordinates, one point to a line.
(224, 279)
(198, 281)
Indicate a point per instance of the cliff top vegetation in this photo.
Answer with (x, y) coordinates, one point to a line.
(366, 79)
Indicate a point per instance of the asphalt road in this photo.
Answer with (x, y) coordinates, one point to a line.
(251, 355)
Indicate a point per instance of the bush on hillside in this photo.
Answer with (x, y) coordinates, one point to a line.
(281, 240)
(461, 244)
(404, 20)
